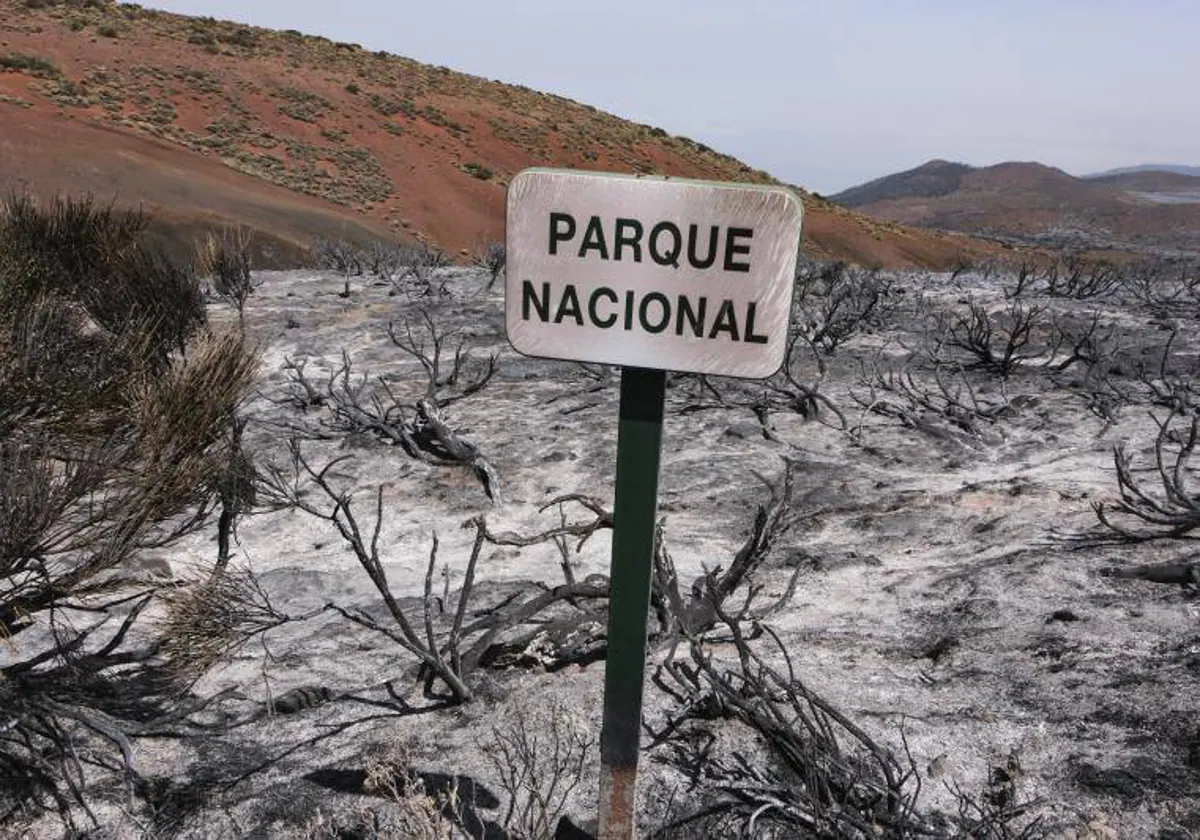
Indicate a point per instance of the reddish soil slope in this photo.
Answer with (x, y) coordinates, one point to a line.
(298, 136)
(189, 193)
(1035, 202)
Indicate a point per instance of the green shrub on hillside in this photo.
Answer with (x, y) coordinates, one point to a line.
(478, 170)
(32, 64)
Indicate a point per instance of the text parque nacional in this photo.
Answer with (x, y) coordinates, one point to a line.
(682, 247)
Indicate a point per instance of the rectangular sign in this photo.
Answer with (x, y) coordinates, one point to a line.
(650, 272)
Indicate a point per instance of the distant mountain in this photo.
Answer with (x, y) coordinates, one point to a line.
(1036, 203)
(936, 178)
(1149, 167)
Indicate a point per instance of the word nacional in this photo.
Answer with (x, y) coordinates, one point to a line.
(651, 272)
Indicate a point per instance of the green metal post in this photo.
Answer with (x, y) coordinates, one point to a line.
(639, 443)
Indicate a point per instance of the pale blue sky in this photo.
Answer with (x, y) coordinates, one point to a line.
(823, 93)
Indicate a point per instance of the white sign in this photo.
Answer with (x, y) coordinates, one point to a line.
(650, 272)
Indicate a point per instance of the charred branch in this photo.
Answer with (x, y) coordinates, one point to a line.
(1024, 276)
(1088, 341)
(430, 345)
(825, 776)
(835, 301)
(1141, 514)
(491, 259)
(788, 390)
(949, 407)
(1165, 387)
(1178, 574)
(359, 404)
(999, 342)
(287, 489)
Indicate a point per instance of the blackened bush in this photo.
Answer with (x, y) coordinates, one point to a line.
(96, 256)
(834, 301)
(117, 411)
(225, 259)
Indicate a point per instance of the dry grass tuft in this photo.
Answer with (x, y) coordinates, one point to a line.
(408, 813)
(211, 618)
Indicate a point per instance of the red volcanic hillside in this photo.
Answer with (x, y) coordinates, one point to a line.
(297, 136)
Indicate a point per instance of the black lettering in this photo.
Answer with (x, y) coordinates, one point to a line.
(542, 306)
(726, 321)
(633, 239)
(732, 248)
(602, 323)
(751, 338)
(643, 310)
(713, 236)
(695, 317)
(670, 257)
(629, 310)
(593, 239)
(568, 306)
(557, 233)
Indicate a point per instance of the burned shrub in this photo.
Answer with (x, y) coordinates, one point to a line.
(1166, 287)
(1172, 510)
(1081, 279)
(419, 270)
(945, 405)
(225, 259)
(997, 341)
(357, 403)
(834, 301)
(97, 259)
(492, 259)
(111, 442)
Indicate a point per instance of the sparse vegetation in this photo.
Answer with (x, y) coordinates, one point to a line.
(302, 105)
(201, 37)
(31, 64)
(478, 170)
(239, 36)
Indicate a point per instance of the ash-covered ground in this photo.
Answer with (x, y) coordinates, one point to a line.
(953, 587)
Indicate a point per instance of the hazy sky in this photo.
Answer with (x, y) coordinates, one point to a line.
(823, 93)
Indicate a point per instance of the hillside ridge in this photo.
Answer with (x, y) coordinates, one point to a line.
(215, 122)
